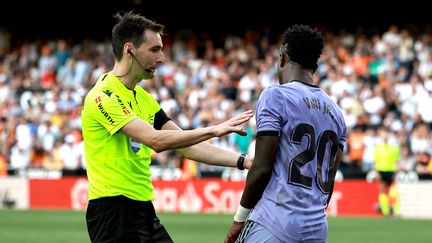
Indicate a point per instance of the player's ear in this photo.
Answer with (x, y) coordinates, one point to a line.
(315, 68)
(282, 60)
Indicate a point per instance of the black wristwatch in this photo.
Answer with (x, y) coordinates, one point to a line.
(240, 161)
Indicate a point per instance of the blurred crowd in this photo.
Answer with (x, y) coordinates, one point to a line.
(382, 81)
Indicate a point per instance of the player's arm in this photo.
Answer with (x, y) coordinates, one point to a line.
(161, 140)
(270, 114)
(270, 119)
(257, 179)
(260, 173)
(209, 153)
(338, 158)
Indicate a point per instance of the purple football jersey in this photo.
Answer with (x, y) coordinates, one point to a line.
(310, 127)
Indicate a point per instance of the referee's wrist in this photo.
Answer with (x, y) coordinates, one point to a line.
(242, 214)
(240, 161)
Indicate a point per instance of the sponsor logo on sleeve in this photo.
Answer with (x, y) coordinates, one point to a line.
(105, 114)
(123, 106)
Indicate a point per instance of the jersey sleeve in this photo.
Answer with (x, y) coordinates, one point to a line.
(342, 139)
(108, 109)
(269, 112)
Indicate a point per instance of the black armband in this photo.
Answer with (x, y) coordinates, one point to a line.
(160, 119)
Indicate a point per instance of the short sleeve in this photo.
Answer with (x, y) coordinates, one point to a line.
(269, 111)
(342, 139)
(110, 111)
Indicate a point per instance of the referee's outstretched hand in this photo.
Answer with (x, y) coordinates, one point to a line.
(230, 125)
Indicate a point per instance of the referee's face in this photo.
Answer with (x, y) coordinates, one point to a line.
(149, 55)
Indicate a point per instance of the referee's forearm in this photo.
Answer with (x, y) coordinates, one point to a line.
(210, 154)
(175, 139)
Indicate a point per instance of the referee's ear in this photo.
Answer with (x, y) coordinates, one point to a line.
(128, 48)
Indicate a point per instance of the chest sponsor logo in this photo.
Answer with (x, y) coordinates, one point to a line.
(135, 145)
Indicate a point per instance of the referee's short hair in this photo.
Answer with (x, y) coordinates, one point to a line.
(130, 27)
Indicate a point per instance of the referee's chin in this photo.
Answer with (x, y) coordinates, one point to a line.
(147, 75)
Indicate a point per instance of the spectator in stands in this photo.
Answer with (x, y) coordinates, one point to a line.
(122, 123)
(3, 165)
(369, 140)
(356, 147)
(198, 69)
(423, 165)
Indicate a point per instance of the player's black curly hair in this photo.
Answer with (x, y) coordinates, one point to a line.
(303, 45)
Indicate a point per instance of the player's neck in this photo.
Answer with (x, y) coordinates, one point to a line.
(303, 75)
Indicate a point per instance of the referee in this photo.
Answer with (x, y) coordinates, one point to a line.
(122, 123)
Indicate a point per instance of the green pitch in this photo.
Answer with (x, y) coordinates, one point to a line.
(69, 226)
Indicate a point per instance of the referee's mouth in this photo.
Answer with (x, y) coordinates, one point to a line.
(150, 70)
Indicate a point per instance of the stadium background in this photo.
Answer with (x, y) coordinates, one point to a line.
(80, 20)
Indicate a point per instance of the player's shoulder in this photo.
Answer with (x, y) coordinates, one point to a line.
(286, 90)
(272, 89)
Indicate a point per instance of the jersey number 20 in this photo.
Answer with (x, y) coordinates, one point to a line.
(327, 145)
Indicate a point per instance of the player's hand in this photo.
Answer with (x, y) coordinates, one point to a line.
(234, 232)
(230, 125)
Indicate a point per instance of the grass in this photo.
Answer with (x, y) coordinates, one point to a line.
(42, 226)
(69, 226)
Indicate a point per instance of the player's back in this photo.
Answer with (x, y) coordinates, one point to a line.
(310, 128)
